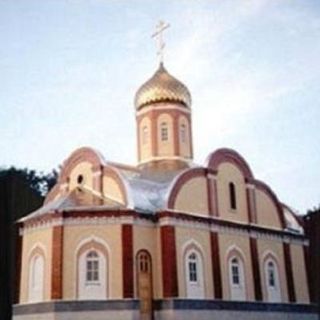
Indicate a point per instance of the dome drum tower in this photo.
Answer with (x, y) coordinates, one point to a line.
(163, 116)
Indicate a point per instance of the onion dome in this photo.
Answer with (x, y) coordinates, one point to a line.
(162, 87)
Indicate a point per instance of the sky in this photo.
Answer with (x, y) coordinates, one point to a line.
(69, 71)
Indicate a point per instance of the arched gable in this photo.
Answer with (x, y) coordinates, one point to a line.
(87, 156)
(266, 202)
(98, 176)
(262, 211)
(84, 154)
(115, 186)
(293, 222)
(189, 185)
(228, 155)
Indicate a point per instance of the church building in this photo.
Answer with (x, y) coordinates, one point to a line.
(165, 239)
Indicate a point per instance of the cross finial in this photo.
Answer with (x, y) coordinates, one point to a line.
(161, 26)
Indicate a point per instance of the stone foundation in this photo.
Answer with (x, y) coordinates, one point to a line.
(167, 309)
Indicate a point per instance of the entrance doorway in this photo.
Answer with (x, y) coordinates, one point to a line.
(144, 284)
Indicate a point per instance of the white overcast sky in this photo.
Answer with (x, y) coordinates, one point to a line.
(69, 71)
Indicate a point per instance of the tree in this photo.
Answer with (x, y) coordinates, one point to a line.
(315, 209)
(312, 227)
(41, 183)
(21, 192)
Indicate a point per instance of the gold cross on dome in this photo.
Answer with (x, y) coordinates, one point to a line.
(161, 26)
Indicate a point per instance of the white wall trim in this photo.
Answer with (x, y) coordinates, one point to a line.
(41, 246)
(165, 221)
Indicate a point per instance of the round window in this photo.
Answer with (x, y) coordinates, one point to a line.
(80, 179)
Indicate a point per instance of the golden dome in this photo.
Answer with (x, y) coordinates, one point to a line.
(162, 87)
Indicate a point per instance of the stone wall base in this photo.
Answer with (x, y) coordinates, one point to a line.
(165, 309)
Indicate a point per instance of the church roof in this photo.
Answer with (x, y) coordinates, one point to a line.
(148, 195)
(76, 199)
(146, 189)
(162, 87)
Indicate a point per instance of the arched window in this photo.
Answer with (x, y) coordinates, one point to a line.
(271, 274)
(193, 267)
(194, 274)
(144, 135)
(144, 262)
(235, 272)
(36, 278)
(236, 279)
(232, 196)
(164, 131)
(92, 267)
(183, 133)
(272, 281)
(92, 274)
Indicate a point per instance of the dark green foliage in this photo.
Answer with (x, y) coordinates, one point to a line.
(315, 209)
(21, 192)
(41, 183)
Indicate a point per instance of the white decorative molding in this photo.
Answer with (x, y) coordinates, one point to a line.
(158, 158)
(38, 245)
(231, 230)
(98, 220)
(102, 196)
(40, 225)
(270, 253)
(192, 242)
(77, 221)
(163, 107)
(165, 221)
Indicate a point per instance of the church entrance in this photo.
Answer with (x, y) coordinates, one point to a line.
(144, 281)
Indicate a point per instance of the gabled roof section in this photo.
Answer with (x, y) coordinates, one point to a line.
(228, 155)
(78, 198)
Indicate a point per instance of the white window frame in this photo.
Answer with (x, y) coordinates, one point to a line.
(93, 272)
(194, 276)
(235, 265)
(237, 290)
(36, 278)
(164, 132)
(96, 287)
(183, 133)
(273, 291)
